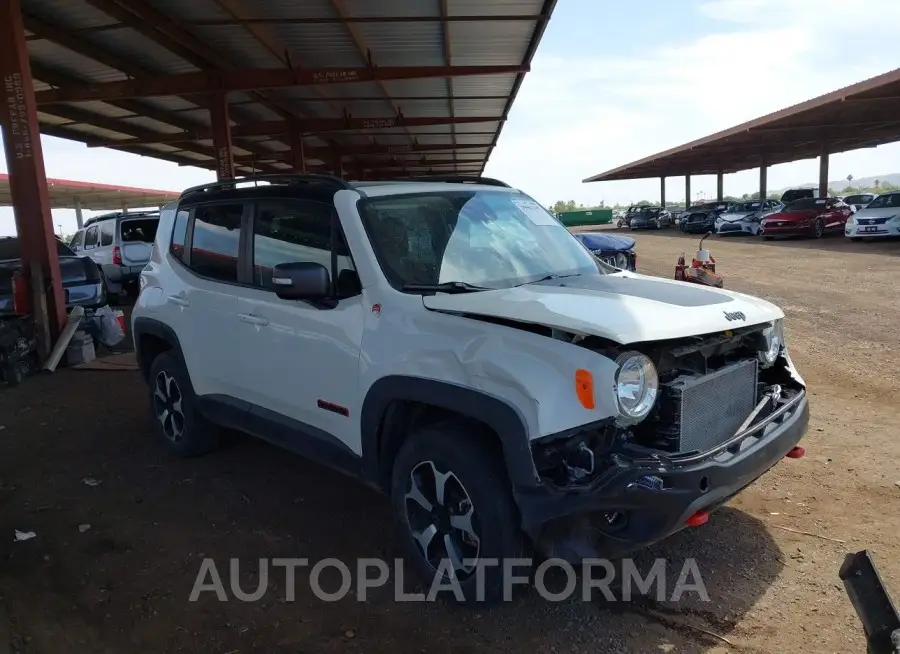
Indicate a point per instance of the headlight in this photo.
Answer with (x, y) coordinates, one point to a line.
(894, 219)
(773, 337)
(622, 261)
(637, 385)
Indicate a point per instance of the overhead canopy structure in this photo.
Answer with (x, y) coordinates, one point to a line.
(69, 194)
(388, 87)
(859, 116)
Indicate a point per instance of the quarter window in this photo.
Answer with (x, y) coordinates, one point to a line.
(215, 241)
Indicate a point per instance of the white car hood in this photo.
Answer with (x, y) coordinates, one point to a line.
(623, 307)
(735, 217)
(879, 212)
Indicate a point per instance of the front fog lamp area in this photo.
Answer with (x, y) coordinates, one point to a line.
(773, 341)
(636, 385)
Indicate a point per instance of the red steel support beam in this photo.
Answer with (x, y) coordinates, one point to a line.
(279, 127)
(257, 79)
(28, 180)
(221, 133)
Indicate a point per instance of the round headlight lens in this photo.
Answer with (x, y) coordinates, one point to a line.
(774, 341)
(637, 386)
(621, 261)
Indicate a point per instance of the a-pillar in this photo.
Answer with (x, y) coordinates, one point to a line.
(28, 180)
(687, 191)
(79, 216)
(298, 153)
(662, 191)
(221, 133)
(823, 171)
(720, 186)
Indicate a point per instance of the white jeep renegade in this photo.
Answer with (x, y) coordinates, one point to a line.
(452, 345)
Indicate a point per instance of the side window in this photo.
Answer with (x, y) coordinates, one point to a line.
(179, 234)
(287, 231)
(106, 232)
(77, 240)
(90, 237)
(215, 241)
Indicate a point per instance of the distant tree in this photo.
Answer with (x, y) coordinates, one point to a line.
(877, 182)
(643, 203)
(561, 206)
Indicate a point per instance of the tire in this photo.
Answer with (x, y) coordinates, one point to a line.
(474, 477)
(171, 396)
(855, 239)
(818, 228)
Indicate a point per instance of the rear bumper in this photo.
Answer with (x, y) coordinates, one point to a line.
(651, 500)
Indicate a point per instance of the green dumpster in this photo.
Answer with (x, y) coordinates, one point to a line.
(585, 217)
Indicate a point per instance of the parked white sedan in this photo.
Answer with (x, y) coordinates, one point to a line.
(881, 217)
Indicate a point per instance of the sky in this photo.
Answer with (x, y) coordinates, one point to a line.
(613, 82)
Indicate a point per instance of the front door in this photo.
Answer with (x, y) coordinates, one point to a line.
(301, 361)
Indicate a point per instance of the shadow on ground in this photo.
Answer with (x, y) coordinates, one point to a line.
(123, 583)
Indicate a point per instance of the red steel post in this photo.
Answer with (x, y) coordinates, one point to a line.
(221, 134)
(28, 180)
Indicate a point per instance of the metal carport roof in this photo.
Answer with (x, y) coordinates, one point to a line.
(396, 86)
(863, 115)
(69, 194)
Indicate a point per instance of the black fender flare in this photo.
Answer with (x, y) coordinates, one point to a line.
(151, 327)
(502, 417)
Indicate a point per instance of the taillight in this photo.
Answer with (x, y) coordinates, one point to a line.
(117, 256)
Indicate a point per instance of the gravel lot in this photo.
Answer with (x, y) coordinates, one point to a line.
(123, 584)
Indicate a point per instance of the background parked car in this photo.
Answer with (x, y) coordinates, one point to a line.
(702, 217)
(651, 218)
(617, 251)
(120, 243)
(793, 194)
(881, 217)
(859, 201)
(745, 217)
(806, 217)
(81, 279)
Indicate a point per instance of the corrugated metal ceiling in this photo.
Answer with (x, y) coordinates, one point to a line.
(171, 37)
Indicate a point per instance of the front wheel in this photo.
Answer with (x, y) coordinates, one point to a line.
(453, 507)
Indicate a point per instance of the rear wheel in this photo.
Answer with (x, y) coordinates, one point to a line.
(176, 420)
(818, 228)
(454, 509)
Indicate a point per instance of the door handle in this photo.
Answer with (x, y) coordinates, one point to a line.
(253, 319)
(180, 301)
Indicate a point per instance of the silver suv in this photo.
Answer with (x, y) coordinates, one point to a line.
(120, 244)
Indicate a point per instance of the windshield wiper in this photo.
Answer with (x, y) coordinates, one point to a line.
(549, 278)
(446, 287)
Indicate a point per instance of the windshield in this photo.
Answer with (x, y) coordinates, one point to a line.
(483, 238)
(805, 204)
(650, 211)
(744, 207)
(858, 199)
(889, 201)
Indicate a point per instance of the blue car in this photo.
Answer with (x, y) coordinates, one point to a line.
(617, 251)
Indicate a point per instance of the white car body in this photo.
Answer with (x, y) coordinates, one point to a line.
(876, 221)
(353, 378)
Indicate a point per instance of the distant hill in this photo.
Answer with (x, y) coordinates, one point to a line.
(865, 182)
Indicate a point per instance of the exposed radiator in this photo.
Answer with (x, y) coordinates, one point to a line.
(709, 409)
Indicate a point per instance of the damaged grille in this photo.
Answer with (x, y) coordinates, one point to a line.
(706, 410)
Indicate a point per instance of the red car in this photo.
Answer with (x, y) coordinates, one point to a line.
(806, 217)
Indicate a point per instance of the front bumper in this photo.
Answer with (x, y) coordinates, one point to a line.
(868, 231)
(697, 228)
(794, 229)
(636, 503)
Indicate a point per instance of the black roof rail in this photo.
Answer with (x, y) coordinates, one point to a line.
(461, 179)
(120, 214)
(276, 178)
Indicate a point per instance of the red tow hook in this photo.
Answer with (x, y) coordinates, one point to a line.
(796, 452)
(699, 518)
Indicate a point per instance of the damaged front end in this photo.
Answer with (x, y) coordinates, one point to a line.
(725, 409)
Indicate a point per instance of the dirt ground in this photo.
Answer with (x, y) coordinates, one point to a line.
(123, 584)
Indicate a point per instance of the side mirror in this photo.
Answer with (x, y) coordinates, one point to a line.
(301, 280)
